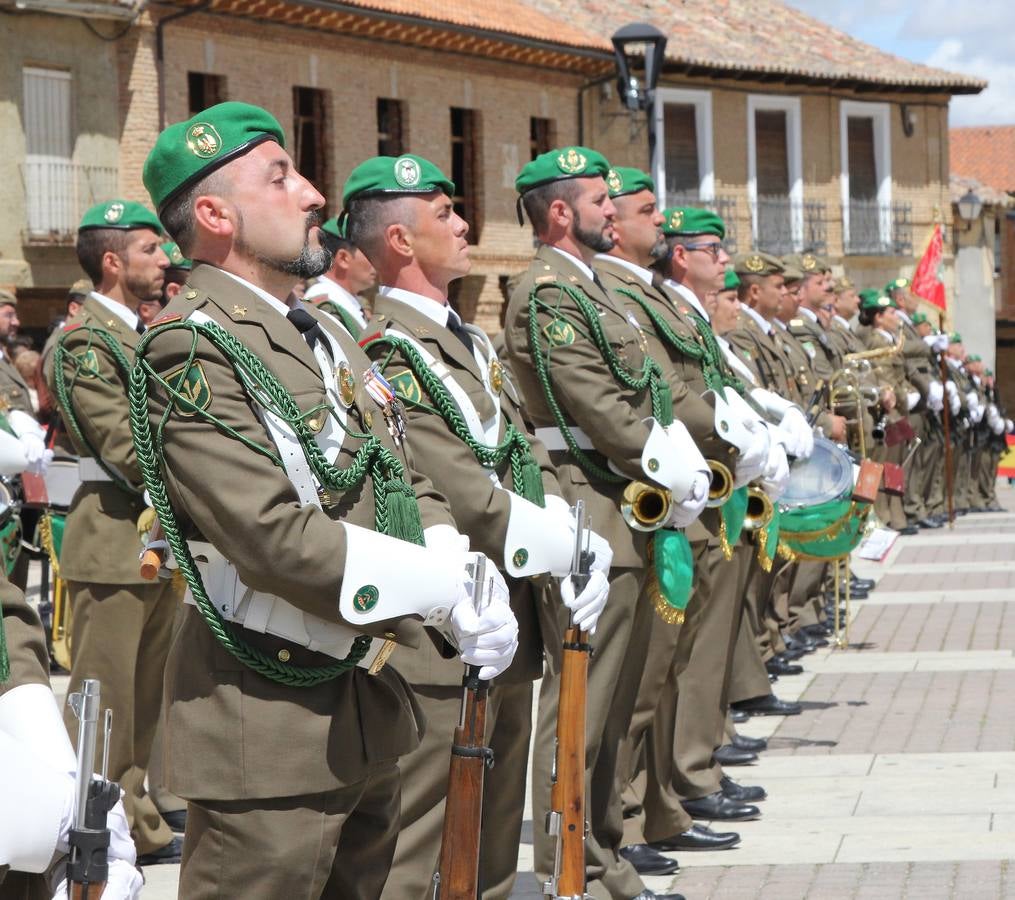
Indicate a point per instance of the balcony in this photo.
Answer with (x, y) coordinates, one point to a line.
(872, 228)
(781, 225)
(57, 193)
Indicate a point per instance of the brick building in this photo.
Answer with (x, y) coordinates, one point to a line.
(801, 137)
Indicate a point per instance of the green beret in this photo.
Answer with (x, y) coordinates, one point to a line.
(988, 372)
(8, 298)
(176, 258)
(688, 220)
(731, 281)
(559, 165)
(122, 214)
(757, 263)
(955, 338)
(335, 226)
(919, 318)
(872, 298)
(81, 288)
(406, 174)
(896, 284)
(188, 151)
(974, 357)
(622, 180)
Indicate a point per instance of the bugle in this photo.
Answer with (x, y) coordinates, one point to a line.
(759, 509)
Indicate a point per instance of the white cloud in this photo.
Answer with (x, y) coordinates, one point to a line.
(993, 106)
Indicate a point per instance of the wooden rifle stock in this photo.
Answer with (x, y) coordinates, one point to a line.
(153, 557)
(565, 822)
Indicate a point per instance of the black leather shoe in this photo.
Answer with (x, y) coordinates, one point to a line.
(699, 837)
(779, 665)
(728, 755)
(815, 642)
(738, 716)
(652, 895)
(768, 705)
(799, 642)
(647, 861)
(167, 855)
(819, 631)
(772, 678)
(176, 819)
(755, 745)
(861, 584)
(719, 806)
(740, 792)
(928, 523)
(909, 529)
(791, 655)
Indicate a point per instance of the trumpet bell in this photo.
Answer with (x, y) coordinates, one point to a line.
(759, 510)
(645, 507)
(721, 485)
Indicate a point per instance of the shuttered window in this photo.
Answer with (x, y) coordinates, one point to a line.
(49, 145)
(680, 137)
(863, 178)
(772, 152)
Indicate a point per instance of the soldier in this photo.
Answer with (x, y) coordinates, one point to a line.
(121, 624)
(337, 290)
(840, 335)
(283, 480)
(968, 414)
(599, 405)
(13, 389)
(401, 214)
(813, 294)
(1000, 427)
(692, 653)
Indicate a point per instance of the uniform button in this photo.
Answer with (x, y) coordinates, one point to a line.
(283, 655)
(191, 295)
(368, 419)
(315, 423)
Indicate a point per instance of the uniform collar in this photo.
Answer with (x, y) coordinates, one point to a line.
(762, 323)
(121, 311)
(435, 311)
(837, 318)
(690, 297)
(782, 325)
(809, 313)
(577, 261)
(904, 317)
(643, 274)
(735, 362)
(887, 334)
(328, 288)
(273, 302)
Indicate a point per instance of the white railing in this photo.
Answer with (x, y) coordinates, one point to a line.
(57, 193)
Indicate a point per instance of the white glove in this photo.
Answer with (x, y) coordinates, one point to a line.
(1009, 426)
(997, 426)
(687, 510)
(588, 605)
(951, 389)
(752, 461)
(912, 398)
(796, 434)
(954, 403)
(935, 396)
(972, 399)
(977, 414)
(38, 454)
(603, 558)
(776, 475)
(489, 638)
(445, 539)
(941, 342)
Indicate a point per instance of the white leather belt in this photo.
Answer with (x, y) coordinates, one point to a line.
(90, 470)
(552, 439)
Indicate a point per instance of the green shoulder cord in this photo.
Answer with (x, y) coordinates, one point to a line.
(526, 477)
(650, 376)
(396, 509)
(344, 316)
(81, 370)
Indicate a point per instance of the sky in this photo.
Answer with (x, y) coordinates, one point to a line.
(972, 38)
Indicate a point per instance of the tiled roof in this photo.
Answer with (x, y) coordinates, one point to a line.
(763, 36)
(985, 153)
(958, 185)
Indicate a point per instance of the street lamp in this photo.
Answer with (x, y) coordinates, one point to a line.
(634, 42)
(969, 208)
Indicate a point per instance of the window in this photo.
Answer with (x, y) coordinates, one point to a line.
(465, 171)
(309, 136)
(868, 218)
(542, 137)
(684, 165)
(49, 173)
(391, 127)
(774, 178)
(204, 90)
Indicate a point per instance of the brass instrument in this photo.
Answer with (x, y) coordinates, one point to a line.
(759, 509)
(848, 395)
(721, 485)
(645, 507)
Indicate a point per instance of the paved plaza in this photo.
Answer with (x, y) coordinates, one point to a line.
(898, 780)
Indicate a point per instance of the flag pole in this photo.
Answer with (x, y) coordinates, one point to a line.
(946, 422)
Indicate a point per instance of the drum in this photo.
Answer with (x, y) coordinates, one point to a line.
(819, 519)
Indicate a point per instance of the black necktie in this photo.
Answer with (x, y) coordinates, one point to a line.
(139, 327)
(456, 327)
(308, 326)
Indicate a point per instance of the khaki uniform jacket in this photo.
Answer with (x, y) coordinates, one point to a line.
(611, 414)
(101, 543)
(13, 389)
(921, 367)
(481, 508)
(814, 340)
(26, 641)
(843, 340)
(766, 353)
(231, 733)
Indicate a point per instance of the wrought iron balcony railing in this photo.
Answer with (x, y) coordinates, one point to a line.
(872, 228)
(57, 193)
(781, 225)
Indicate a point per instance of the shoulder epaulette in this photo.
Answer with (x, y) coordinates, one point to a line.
(370, 337)
(796, 323)
(163, 320)
(72, 326)
(546, 279)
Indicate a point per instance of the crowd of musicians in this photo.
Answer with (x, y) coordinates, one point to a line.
(347, 500)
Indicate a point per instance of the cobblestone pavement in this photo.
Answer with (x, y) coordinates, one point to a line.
(898, 780)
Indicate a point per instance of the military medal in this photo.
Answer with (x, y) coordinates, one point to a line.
(346, 383)
(496, 375)
(379, 389)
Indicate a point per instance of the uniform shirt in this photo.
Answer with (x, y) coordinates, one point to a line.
(327, 290)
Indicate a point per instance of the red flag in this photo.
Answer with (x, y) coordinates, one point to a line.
(927, 282)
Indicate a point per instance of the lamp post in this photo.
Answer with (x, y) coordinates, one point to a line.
(970, 207)
(640, 40)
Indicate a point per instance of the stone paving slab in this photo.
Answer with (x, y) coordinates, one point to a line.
(938, 627)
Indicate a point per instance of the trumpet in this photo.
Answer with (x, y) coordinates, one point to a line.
(759, 510)
(645, 507)
(721, 485)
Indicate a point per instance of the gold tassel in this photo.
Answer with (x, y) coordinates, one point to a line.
(669, 614)
(763, 558)
(727, 550)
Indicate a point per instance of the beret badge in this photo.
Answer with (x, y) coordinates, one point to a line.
(203, 140)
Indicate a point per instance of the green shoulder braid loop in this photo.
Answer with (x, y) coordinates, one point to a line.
(650, 376)
(64, 389)
(397, 513)
(526, 477)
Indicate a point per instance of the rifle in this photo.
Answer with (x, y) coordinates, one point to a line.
(457, 875)
(88, 866)
(565, 822)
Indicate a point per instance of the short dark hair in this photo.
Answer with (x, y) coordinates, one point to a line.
(866, 316)
(94, 243)
(537, 201)
(746, 280)
(370, 216)
(178, 214)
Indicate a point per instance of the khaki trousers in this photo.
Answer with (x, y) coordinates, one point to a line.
(620, 646)
(120, 635)
(331, 846)
(748, 676)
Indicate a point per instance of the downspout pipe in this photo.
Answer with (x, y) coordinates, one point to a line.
(160, 51)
